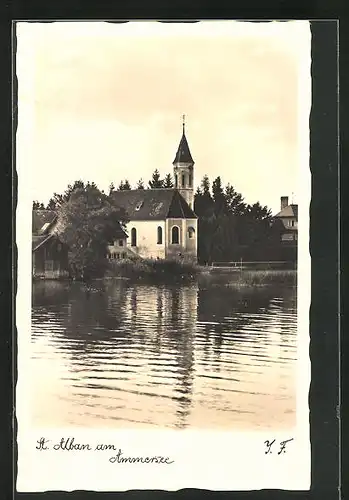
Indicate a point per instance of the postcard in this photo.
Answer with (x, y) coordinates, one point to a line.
(163, 255)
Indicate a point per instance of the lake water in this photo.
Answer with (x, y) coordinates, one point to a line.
(204, 355)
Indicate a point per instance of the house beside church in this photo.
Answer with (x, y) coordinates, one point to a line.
(49, 255)
(288, 217)
(286, 225)
(162, 223)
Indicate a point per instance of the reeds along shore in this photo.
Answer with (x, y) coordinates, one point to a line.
(265, 277)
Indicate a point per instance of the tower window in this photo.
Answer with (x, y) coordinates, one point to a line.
(183, 180)
(175, 235)
(176, 181)
(159, 235)
(190, 182)
(191, 232)
(133, 237)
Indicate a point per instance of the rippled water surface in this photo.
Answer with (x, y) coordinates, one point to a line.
(201, 355)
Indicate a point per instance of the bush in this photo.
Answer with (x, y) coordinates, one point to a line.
(152, 268)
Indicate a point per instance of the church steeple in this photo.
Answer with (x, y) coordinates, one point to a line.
(183, 169)
(183, 154)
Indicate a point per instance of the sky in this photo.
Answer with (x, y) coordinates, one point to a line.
(103, 102)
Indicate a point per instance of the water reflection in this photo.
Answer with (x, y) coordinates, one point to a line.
(199, 355)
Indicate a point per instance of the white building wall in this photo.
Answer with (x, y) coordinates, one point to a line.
(191, 244)
(147, 237)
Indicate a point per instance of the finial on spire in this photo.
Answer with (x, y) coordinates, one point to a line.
(183, 118)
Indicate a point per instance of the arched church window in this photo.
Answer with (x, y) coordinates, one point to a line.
(183, 180)
(175, 235)
(191, 232)
(190, 181)
(133, 237)
(159, 235)
(176, 181)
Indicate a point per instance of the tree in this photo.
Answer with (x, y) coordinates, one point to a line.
(58, 199)
(111, 188)
(87, 221)
(234, 201)
(51, 204)
(219, 200)
(168, 181)
(258, 212)
(228, 228)
(205, 185)
(38, 205)
(124, 186)
(156, 181)
(203, 202)
(140, 184)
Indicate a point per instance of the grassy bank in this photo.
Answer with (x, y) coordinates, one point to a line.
(266, 277)
(151, 269)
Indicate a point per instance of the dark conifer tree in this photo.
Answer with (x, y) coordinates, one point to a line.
(111, 188)
(38, 205)
(140, 184)
(51, 204)
(156, 181)
(168, 181)
(203, 202)
(234, 201)
(124, 186)
(218, 197)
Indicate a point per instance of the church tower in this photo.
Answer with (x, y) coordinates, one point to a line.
(183, 170)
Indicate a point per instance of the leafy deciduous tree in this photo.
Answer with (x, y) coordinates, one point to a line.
(87, 221)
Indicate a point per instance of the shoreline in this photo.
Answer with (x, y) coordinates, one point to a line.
(190, 274)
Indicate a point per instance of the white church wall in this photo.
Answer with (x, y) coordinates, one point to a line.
(186, 247)
(191, 236)
(147, 245)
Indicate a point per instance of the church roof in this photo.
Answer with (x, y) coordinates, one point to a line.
(289, 211)
(153, 204)
(183, 154)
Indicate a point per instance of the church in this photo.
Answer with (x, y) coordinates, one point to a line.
(162, 223)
